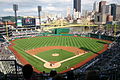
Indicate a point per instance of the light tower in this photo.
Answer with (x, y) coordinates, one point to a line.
(15, 9)
(39, 10)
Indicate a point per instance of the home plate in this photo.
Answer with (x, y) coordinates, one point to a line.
(52, 65)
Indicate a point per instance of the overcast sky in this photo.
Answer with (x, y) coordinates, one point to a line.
(29, 7)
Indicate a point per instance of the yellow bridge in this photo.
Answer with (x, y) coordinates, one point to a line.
(64, 24)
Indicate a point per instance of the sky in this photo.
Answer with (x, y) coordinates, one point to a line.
(29, 7)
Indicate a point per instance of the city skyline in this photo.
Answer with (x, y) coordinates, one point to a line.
(29, 7)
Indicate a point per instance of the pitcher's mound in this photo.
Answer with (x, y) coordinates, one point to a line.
(56, 54)
(52, 65)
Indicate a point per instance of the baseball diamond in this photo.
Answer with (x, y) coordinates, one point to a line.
(57, 52)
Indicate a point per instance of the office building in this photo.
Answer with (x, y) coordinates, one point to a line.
(115, 12)
(76, 15)
(100, 18)
(118, 13)
(102, 3)
(106, 9)
(77, 5)
(95, 6)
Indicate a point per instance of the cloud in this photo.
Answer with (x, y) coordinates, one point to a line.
(21, 10)
(14, 1)
(50, 4)
(27, 10)
(51, 8)
(26, 7)
(54, 1)
(8, 10)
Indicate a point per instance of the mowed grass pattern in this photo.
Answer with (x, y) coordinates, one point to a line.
(92, 45)
(62, 55)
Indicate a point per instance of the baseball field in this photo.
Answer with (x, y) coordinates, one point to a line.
(57, 52)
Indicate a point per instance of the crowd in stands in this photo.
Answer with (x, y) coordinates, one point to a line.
(8, 60)
(106, 32)
(94, 31)
(5, 53)
(77, 30)
(25, 34)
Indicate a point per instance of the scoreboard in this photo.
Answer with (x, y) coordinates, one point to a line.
(28, 22)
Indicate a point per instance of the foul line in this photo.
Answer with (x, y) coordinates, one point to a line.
(40, 58)
(71, 58)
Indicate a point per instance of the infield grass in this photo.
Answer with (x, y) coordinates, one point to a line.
(62, 55)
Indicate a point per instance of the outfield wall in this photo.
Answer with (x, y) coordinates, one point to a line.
(104, 37)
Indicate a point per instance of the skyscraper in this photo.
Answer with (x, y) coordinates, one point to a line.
(106, 9)
(115, 12)
(118, 13)
(77, 5)
(102, 3)
(95, 6)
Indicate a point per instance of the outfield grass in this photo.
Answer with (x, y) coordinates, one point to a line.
(91, 45)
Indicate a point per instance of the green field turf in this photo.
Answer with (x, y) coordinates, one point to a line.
(91, 45)
(62, 55)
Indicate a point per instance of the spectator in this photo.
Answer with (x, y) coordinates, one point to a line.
(92, 75)
(27, 71)
(59, 77)
(44, 75)
(70, 75)
(53, 73)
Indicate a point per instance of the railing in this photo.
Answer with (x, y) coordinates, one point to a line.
(10, 67)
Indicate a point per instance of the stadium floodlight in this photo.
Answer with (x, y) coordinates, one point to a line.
(39, 10)
(15, 9)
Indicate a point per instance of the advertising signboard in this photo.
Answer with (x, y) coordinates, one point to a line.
(19, 22)
(37, 22)
(28, 22)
